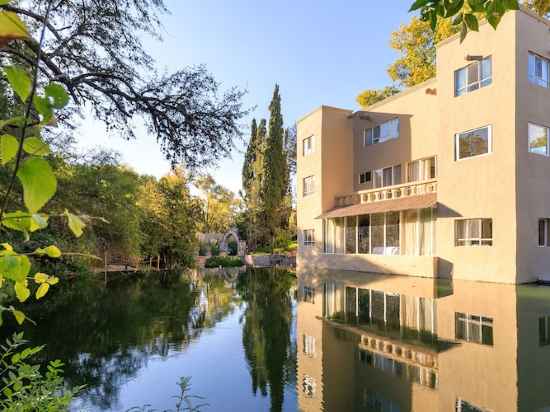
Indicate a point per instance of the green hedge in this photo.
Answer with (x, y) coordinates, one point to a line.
(223, 261)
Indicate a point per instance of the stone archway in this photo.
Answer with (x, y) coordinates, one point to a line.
(224, 244)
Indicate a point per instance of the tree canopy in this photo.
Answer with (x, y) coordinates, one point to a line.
(94, 49)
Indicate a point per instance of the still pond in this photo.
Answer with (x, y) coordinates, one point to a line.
(270, 340)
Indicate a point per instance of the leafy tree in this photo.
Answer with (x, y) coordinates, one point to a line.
(371, 96)
(273, 185)
(220, 206)
(249, 159)
(94, 49)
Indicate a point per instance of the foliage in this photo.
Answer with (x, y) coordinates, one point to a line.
(465, 14)
(27, 388)
(541, 7)
(215, 249)
(266, 331)
(220, 206)
(233, 247)
(369, 97)
(415, 43)
(204, 248)
(169, 219)
(223, 261)
(94, 49)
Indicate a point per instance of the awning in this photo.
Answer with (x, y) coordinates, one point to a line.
(393, 205)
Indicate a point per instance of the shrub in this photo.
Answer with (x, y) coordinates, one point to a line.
(223, 261)
(233, 247)
(203, 249)
(214, 249)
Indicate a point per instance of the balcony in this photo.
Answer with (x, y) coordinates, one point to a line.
(400, 191)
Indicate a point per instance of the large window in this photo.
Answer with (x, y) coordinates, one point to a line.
(382, 133)
(308, 145)
(539, 70)
(544, 232)
(544, 331)
(423, 169)
(309, 237)
(538, 139)
(473, 143)
(309, 185)
(474, 232)
(474, 328)
(351, 234)
(387, 176)
(474, 76)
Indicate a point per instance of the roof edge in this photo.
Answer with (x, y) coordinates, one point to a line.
(400, 94)
(323, 106)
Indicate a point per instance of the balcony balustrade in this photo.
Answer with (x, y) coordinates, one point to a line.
(388, 193)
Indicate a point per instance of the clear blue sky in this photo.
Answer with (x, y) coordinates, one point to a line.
(320, 52)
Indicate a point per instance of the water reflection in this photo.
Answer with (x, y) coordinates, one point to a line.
(391, 343)
(132, 340)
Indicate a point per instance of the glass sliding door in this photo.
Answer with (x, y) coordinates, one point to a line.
(339, 235)
(329, 236)
(351, 235)
(363, 234)
(377, 233)
(364, 305)
(392, 234)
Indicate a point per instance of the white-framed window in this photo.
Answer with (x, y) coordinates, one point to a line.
(381, 133)
(544, 331)
(365, 177)
(309, 185)
(539, 137)
(474, 328)
(539, 70)
(309, 237)
(472, 143)
(544, 232)
(309, 345)
(474, 76)
(474, 232)
(422, 169)
(388, 176)
(308, 145)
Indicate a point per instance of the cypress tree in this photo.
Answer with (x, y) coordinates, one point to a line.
(249, 159)
(273, 179)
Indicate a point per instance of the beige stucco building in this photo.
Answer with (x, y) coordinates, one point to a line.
(399, 343)
(450, 178)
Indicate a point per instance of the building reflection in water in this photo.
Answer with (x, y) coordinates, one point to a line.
(397, 344)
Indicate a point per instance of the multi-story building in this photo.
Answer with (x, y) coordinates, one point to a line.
(368, 342)
(448, 178)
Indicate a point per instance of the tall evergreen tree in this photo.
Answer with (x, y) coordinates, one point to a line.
(249, 159)
(273, 179)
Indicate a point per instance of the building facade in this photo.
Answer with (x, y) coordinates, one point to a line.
(450, 178)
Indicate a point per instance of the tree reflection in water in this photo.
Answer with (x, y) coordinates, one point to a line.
(105, 335)
(267, 331)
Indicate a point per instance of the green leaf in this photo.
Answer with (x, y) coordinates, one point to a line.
(14, 121)
(11, 27)
(19, 316)
(57, 95)
(75, 224)
(418, 4)
(22, 291)
(511, 4)
(4, 2)
(43, 106)
(471, 22)
(453, 8)
(35, 146)
(24, 222)
(8, 148)
(458, 19)
(52, 251)
(19, 80)
(38, 181)
(15, 267)
(463, 31)
(42, 290)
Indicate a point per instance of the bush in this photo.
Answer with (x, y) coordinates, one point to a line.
(223, 261)
(203, 249)
(215, 249)
(233, 247)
